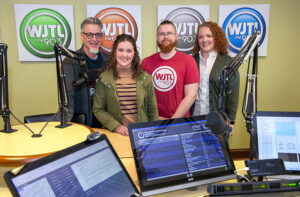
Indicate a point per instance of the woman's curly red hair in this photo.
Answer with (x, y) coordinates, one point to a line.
(218, 35)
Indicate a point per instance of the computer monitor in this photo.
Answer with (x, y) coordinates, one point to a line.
(90, 168)
(178, 153)
(278, 136)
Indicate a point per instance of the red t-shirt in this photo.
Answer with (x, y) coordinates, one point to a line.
(169, 78)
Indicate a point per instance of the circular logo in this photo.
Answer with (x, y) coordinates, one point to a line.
(116, 21)
(41, 29)
(164, 78)
(141, 135)
(186, 21)
(240, 23)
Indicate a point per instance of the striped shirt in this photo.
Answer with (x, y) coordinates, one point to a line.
(126, 89)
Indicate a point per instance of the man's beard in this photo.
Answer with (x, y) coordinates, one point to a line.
(166, 48)
(94, 51)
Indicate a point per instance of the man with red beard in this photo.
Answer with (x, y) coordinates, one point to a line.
(81, 94)
(175, 74)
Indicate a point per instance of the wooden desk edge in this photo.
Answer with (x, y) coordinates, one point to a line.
(13, 161)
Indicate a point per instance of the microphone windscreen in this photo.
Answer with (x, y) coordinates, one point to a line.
(216, 122)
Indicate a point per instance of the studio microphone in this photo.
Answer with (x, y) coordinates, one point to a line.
(218, 123)
(67, 51)
(220, 126)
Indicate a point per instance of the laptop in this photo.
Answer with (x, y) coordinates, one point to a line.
(278, 136)
(90, 168)
(178, 153)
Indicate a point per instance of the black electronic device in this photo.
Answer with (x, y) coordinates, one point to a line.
(178, 153)
(254, 187)
(265, 167)
(90, 168)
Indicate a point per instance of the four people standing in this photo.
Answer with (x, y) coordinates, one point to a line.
(125, 93)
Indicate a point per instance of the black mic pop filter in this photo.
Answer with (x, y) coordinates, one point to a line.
(216, 122)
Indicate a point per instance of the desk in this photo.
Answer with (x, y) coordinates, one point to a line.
(120, 143)
(122, 146)
(19, 148)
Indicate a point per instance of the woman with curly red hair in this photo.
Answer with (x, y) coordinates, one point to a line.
(210, 53)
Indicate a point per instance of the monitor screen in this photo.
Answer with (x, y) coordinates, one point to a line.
(178, 151)
(91, 171)
(278, 136)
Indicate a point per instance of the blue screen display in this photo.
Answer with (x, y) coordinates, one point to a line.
(177, 149)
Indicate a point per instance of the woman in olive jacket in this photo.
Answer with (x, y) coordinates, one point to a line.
(124, 93)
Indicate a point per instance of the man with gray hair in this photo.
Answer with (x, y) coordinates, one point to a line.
(81, 82)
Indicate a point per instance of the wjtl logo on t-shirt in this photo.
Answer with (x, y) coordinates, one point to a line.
(164, 78)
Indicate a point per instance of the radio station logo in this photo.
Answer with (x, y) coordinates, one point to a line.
(186, 21)
(116, 21)
(240, 23)
(164, 78)
(41, 29)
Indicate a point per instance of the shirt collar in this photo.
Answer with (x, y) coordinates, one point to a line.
(210, 55)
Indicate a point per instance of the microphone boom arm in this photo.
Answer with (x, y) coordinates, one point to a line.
(4, 100)
(250, 45)
(229, 71)
(62, 88)
(250, 104)
(80, 57)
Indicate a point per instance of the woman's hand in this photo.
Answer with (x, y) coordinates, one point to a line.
(162, 118)
(122, 130)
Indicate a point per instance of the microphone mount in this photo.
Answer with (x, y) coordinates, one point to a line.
(79, 57)
(4, 100)
(250, 45)
(62, 89)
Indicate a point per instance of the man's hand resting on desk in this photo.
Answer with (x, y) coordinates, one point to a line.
(122, 130)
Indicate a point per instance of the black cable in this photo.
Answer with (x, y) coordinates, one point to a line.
(47, 123)
(22, 123)
(228, 91)
(51, 118)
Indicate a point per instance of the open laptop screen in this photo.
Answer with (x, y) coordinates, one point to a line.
(176, 152)
(278, 136)
(87, 169)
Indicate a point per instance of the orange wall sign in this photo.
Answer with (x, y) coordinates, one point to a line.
(117, 20)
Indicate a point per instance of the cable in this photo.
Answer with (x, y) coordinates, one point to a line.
(47, 123)
(240, 175)
(22, 123)
(233, 72)
(31, 129)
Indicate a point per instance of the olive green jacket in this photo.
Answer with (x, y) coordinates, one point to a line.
(106, 106)
(231, 101)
